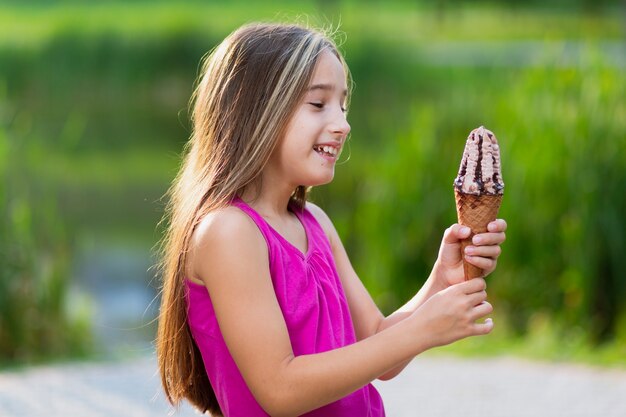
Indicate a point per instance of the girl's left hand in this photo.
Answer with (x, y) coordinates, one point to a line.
(483, 252)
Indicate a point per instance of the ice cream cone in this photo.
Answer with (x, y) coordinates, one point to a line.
(475, 212)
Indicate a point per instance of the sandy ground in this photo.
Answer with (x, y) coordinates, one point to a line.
(430, 386)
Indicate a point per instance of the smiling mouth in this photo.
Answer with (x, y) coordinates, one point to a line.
(330, 151)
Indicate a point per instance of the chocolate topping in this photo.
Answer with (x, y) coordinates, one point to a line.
(481, 160)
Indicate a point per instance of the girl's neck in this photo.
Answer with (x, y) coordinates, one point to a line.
(271, 202)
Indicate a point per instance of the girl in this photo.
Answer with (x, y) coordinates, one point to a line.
(262, 313)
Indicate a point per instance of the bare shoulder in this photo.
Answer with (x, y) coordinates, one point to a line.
(225, 223)
(221, 235)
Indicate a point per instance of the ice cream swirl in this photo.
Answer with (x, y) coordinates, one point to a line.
(480, 172)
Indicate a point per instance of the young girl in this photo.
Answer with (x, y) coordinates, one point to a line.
(262, 313)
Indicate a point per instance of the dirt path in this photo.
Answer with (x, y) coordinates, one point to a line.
(451, 387)
(430, 386)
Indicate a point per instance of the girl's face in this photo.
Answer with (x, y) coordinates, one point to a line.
(307, 153)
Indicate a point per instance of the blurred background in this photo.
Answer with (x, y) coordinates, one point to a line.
(93, 118)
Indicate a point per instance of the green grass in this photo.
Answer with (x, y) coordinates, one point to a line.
(545, 341)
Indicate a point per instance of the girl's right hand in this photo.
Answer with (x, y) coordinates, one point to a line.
(451, 314)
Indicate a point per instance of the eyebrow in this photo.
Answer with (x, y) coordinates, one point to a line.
(329, 87)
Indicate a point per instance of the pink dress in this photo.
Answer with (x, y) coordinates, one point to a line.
(315, 309)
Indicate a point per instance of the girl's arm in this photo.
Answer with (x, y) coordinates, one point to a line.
(448, 270)
(230, 256)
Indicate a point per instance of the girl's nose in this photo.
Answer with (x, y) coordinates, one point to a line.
(340, 124)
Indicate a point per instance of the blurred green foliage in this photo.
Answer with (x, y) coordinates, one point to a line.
(97, 95)
(36, 321)
(563, 139)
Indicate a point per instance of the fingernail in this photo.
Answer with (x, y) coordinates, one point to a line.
(477, 240)
(491, 227)
(465, 230)
(469, 250)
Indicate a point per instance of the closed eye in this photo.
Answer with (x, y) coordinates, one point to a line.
(321, 106)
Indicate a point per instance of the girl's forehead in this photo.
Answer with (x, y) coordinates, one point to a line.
(329, 74)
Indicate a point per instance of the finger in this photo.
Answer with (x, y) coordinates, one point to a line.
(498, 225)
(484, 251)
(477, 298)
(474, 285)
(483, 328)
(481, 310)
(482, 263)
(488, 239)
(456, 233)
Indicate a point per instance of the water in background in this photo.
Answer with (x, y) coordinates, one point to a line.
(115, 283)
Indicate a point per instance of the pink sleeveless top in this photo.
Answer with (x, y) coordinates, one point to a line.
(315, 309)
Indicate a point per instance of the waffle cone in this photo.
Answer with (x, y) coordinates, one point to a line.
(475, 212)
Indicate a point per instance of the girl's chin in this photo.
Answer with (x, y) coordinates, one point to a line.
(321, 180)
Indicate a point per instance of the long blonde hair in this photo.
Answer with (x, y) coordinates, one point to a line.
(249, 88)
